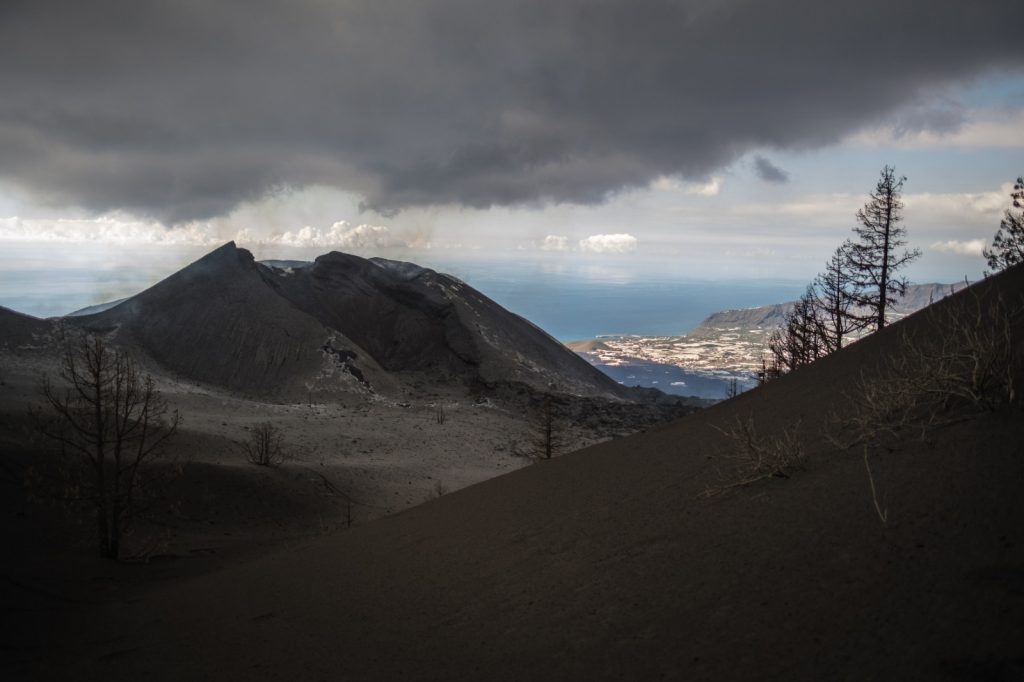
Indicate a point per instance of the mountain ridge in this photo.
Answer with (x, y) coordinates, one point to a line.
(916, 297)
(340, 323)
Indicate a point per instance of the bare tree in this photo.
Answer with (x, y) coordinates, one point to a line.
(264, 445)
(770, 368)
(113, 421)
(732, 389)
(835, 300)
(1008, 244)
(799, 341)
(547, 437)
(875, 258)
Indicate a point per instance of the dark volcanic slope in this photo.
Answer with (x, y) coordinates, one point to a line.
(18, 329)
(221, 321)
(414, 319)
(341, 323)
(608, 564)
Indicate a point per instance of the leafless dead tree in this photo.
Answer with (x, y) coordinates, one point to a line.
(264, 447)
(800, 340)
(874, 259)
(1008, 245)
(112, 422)
(834, 300)
(732, 389)
(547, 437)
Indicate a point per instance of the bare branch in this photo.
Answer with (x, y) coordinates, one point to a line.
(111, 418)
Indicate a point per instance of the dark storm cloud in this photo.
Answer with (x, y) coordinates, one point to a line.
(768, 171)
(183, 109)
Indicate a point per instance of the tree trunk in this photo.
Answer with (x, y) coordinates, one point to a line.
(115, 528)
(883, 291)
(103, 529)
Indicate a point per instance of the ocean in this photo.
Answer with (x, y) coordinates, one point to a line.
(579, 301)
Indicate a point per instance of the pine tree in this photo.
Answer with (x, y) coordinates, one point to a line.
(1008, 244)
(874, 258)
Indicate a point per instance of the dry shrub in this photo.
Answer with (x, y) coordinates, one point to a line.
(757, 457)
(969, 361)
(966, 364)
(963, 365)
(264, 446)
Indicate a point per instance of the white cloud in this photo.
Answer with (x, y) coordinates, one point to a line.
(999, 129)
(710, 188)
(988, 204)
(818, 207)
(609, 243)
(341, 235)
(554, 242)
(972, 247)
(923, 209)
(105, 229)
(118, 230)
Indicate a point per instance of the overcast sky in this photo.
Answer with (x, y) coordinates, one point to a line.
(733, 136)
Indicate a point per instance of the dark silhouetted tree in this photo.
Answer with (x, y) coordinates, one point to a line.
(835, 298)
(112, 421)
(769, 366)
(547, 438)
(799, 341)
(1008, 245)
(264, 445)
(875, 256)
(732, 389)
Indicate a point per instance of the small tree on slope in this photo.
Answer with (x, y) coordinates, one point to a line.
(875, 257)
(835, 300)
(547, 436)
(1008, 244)
(113, 422)
(799, 341)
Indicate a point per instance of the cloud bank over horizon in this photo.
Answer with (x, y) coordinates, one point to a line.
(609, 243)
(181, 112)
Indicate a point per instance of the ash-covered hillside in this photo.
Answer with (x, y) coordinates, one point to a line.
(412, 319)
(799, 531)
(20, 330)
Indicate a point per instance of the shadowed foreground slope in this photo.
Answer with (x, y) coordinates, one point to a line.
(609, 563)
